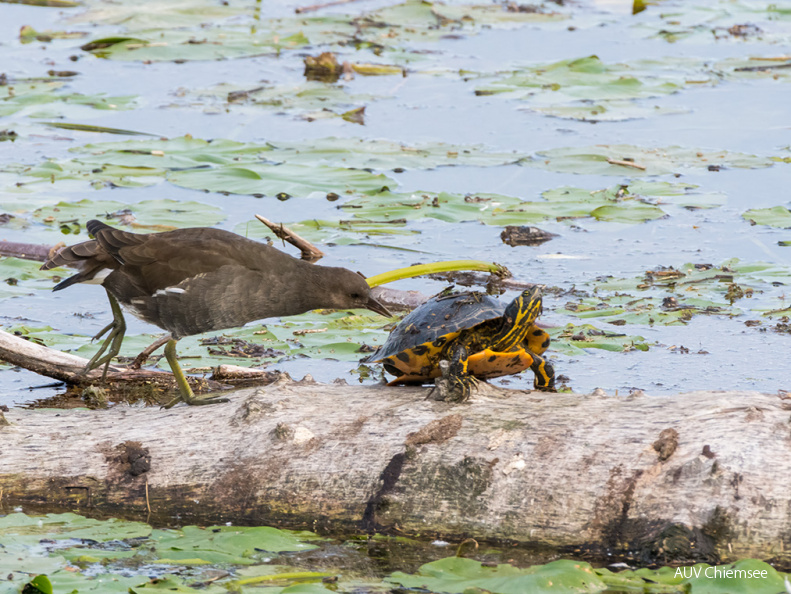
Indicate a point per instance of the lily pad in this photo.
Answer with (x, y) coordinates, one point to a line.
(22, 277)
(384, 154)
(17, 95)
(636, 202)
(776, 216)
(203, 44)
(636, 161)
(305, 98)
(69, 525)
(209, 32)
(723, 20)
(574, 339)
(609, 111)
(587, 88)
(239, 545)
(457, 575)
(220, 166)
(271, 180)
(152, 215)
(676, 294)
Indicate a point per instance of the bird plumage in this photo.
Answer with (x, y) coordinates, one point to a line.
(191, 281)
(196, 280)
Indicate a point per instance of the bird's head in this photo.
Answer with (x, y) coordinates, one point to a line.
(349, 290)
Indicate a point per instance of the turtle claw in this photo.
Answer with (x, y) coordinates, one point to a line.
(452, 387)
(545, 374)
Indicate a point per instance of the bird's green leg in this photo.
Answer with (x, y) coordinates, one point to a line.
(545, 373)
(186, 392)
(455, 384)
(117, 329)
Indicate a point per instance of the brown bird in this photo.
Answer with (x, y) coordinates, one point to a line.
(191, 281)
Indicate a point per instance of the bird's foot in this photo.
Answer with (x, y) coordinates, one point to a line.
(115, 331)
(195, 401)
(186, 393)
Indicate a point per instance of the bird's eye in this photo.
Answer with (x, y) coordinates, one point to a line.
(355, 295)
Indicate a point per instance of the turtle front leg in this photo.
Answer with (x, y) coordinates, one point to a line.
(545, 374)
(455, 384)
(117, 330)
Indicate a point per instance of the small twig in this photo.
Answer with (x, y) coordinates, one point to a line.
(308, 331)
(309, 251)
(313, 7)
(626, 164)
(464, 543)
(148, 504)
(761, 68)
(146, 352)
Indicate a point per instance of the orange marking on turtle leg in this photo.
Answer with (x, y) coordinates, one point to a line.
(537, 340)
(488, 363)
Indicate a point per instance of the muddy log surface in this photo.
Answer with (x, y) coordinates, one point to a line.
(698, 476)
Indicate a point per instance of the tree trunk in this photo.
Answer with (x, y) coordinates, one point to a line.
(699, 476)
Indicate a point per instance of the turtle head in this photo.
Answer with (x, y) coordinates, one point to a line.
(518, 317)
(526, 308)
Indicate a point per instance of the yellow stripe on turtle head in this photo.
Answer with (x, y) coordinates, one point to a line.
(518, 318)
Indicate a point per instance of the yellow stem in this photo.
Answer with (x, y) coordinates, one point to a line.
(433, 268)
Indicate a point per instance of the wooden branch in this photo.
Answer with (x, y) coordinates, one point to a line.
(27, 251)
(68, 368)
(43, 360)
(309, 251)
(698, 476)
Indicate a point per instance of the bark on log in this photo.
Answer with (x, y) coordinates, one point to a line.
(698, 476)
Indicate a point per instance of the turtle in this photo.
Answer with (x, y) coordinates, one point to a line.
(464, 337)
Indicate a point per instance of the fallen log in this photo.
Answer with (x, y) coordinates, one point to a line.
(703, 476)
(125, 381)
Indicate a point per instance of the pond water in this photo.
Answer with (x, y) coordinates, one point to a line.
(674, 89)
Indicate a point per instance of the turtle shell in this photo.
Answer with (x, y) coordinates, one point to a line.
(439, 320)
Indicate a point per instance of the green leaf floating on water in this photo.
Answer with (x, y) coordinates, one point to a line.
(738, 21)
(624, 159)
(22, 277)
(153, 215)
(748, 576)
(776, 216)
(621, 309)
(226, 544)
(636, 202)
(589, 89)
(385, 154)
(574, 339)
(270, 180)
(185, 152)
(674, 295)
(310, 96)
(25, 93)
(457, 575)
(210, 32)
(204, 169)
(68, 525)
(211, 43)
